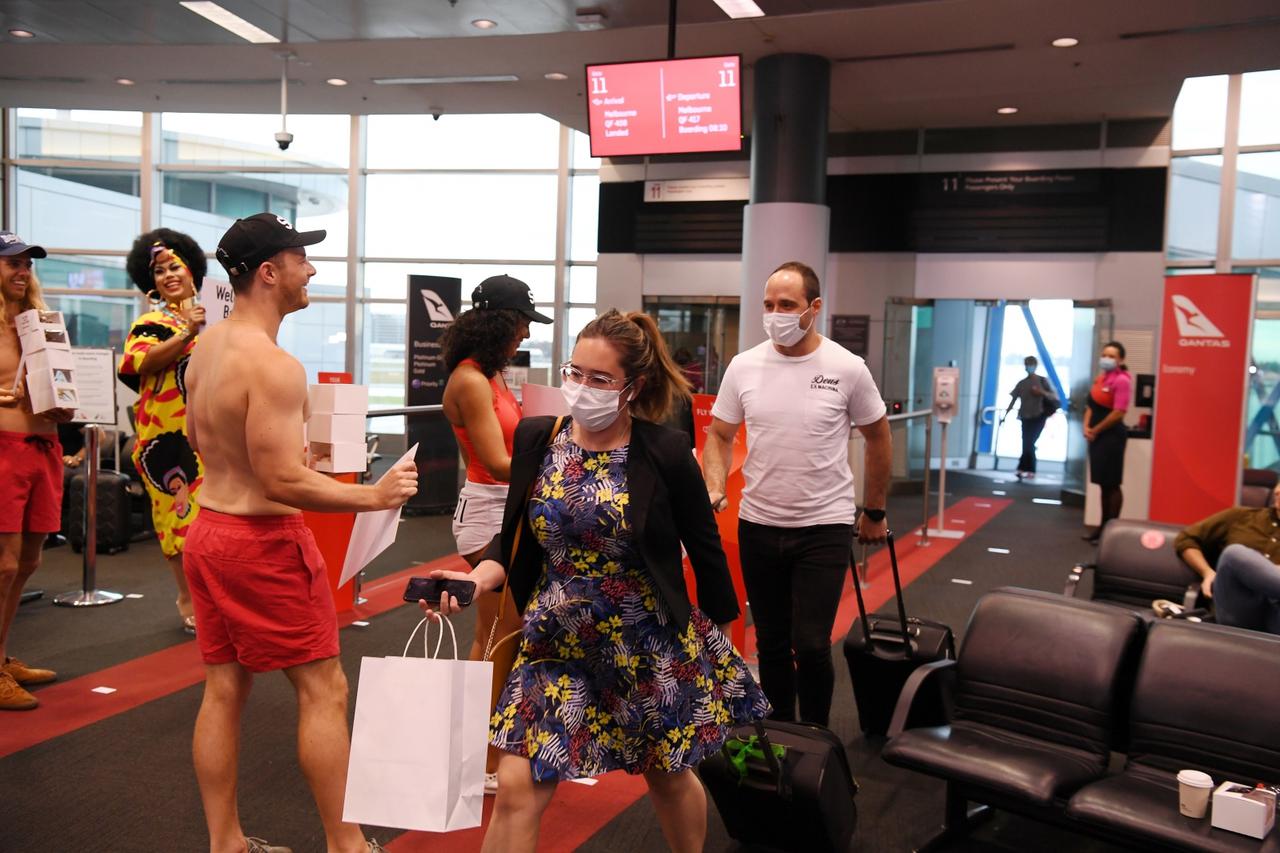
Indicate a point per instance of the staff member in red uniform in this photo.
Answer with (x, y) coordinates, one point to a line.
(1105, 431)
(484, 414)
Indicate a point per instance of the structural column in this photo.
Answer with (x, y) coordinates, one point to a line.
(787, 218)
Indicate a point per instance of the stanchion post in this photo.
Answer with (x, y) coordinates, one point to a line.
(928, 470)
(941, 531)
(89, 595)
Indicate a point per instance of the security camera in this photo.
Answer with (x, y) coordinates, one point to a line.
(436, 112)
(284, 139)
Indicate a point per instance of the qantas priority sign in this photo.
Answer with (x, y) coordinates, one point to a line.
(671, 106)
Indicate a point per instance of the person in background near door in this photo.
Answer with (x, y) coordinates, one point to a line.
(483, 413)
(1245, 586)
(800, 394)
(169, 267)
(1036, 401)
(30, 468)
(1105, 431)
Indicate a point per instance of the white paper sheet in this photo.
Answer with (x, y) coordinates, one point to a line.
(373, 533)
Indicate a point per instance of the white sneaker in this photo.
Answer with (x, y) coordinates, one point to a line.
(490, 784)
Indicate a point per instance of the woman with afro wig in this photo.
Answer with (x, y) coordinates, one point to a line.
(169, 267)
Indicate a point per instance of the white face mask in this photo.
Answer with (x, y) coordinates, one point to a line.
(594, 409)
(784, 329)
(1107, 363)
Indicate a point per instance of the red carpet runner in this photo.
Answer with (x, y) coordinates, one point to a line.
(577, 812)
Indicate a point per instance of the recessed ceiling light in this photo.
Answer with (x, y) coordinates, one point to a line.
(22, 34)
(1007, 111)
(740, 8)
(1067, 41)
(336, 81)
(229, 21)
(556, 75)
(484, 24)
(124, 81)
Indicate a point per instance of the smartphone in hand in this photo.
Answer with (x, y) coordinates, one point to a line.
(431, 590)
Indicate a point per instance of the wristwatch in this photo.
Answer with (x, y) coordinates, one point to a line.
(873, 514)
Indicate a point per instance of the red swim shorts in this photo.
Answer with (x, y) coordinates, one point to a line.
(260, 591)
(30, 482)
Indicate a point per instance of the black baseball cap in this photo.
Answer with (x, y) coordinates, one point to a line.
(11, 244)
(254, 239)
(503, 291)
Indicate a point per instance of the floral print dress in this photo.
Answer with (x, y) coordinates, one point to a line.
(603, 679)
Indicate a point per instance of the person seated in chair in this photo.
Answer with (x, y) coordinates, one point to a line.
(1245, 586)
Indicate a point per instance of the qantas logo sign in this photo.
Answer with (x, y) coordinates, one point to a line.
(437, 311)
(1194, 328)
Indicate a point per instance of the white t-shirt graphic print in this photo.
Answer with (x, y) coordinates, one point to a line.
(799, 413)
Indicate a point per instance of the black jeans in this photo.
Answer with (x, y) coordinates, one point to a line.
(794, 577)
(1031, 429)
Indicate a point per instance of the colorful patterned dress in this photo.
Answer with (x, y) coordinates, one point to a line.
(171, 471)
(603, 679)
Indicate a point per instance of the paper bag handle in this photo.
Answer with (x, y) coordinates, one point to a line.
(439, 639)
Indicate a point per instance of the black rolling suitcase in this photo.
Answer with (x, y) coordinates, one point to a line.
(883, 651)
(114, 504)
(784, 785)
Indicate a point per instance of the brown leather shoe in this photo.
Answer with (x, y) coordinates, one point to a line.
(24, 674)
(13, 697)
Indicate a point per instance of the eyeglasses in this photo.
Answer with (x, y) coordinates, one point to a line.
(591, 380)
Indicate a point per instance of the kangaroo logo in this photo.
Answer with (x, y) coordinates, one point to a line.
(1192, 323)
(436, 309)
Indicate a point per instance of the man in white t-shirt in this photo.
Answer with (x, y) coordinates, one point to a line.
(800, 395)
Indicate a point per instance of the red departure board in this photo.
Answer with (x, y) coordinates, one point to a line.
(670, 106)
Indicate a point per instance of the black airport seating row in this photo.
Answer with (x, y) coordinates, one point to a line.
(1046, 689)
(1136, 564)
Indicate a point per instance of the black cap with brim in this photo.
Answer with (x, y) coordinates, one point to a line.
(11, 244)
(255, 239)
(504, 292)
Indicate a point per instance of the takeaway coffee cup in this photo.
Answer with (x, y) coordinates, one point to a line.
(1194, 788)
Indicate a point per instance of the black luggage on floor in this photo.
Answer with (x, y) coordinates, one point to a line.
(801, 801)
(882, 655)
(114, 523)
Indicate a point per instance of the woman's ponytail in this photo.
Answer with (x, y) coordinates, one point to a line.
(643, 355)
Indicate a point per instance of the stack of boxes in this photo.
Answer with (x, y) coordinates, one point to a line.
(336, 428)
(46, 352)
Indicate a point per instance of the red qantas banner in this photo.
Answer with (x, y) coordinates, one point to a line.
(1201, 382)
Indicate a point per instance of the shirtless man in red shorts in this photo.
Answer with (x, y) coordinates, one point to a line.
(30, 469)
(261, 595)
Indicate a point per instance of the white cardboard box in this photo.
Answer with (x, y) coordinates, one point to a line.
(50, 359)
(1241, 808)
(340, 458)
(336, 429)
(29, 321)
(48, 391)
(339, 399)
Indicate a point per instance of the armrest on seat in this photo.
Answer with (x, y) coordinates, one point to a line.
(1073, 579)
(907, 698)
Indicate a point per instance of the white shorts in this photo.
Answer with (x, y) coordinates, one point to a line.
(478, 517)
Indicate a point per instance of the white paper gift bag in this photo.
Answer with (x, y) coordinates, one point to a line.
(418, 742)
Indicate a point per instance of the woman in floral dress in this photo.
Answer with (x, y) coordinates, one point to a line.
(169, 267)
(617, 670)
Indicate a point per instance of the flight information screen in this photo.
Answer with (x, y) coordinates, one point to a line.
(669, 106)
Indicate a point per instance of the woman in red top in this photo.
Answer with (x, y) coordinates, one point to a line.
(1105, 431)
(484, 414)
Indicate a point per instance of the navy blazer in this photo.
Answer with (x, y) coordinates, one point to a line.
(668, 505)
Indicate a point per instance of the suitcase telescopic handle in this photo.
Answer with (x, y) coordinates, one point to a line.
(897, 593)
